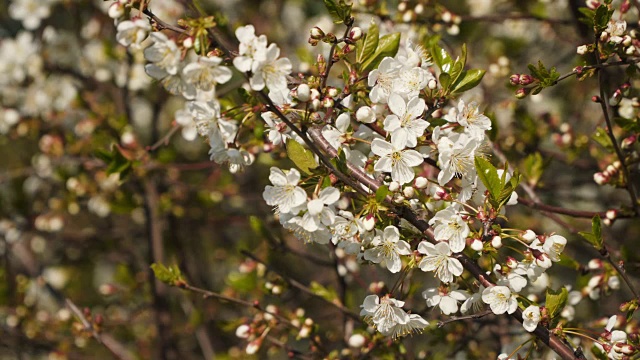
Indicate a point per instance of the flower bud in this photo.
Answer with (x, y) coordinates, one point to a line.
(476, 245)
(316, 33)
(328, 102)
(243, 331)
(315, 94)
(512, 263)
(528, 236)
(303, 92)
(315, 104)
(582, 49)
(432, 84)
(611, 214)
(356, 341)
(408, 192)
(421, 182)
(116, 10)
(628, 142)
(614, 282)
(522, 93)
(369, 222)
(447, 17)
(399, 199)
(332, 92)
(514, 79)
(394, 186)
(496, 242)
(356, 33)
(525, 79)
(365, 115)
(600, 178)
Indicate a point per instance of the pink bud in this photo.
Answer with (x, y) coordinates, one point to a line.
(356, 33)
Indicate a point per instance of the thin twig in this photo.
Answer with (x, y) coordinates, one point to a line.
(459, 318)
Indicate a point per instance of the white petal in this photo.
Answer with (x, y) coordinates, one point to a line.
(381, 147)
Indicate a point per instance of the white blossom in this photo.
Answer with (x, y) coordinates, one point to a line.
(318, 210)
(271, 72)
(475, 123)
(500, 299)
(405, 124)
(131, 33)
(531, 318)
(449, 226)
(30, 12)
(446, 298)
(382, 79)
(206, 73)
(285, 194)
(387, 249)
(395, 160)
(164, 54)
(389, 319)
(438, 258)
(252, 48)
(456, 158)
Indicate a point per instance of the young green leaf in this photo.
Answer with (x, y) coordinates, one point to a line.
(488, 174)
(303, 158)
(387, 46)
(468, 80)
(556, 300)
(368, 45)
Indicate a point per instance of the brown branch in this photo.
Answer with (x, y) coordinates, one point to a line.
(459, 318)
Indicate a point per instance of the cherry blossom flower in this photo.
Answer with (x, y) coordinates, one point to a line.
(292, 223)
(474, 303)
(338, 135)
(236, 158)
(318, 210)
(456, 157)
(131, 33)
(382, 79)
(438, 258)
(531, 318)
(410, 81)
(271, 72)
(387, 249)
(475, 123)
(252, 48)
(449, 226)
(614, 343)
(389, 318)
(446, 298)
(164, 54)
(395, 160)
(30, 12)
(206, 73)
(500, 299)
(405, 124)
(285, 194)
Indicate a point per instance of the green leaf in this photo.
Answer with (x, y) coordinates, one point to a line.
(556, 300)
(456, 70)
(303, 158)
(534, 166)
(441, 57)
(468, 80)
(507, 188)
(103, 155)
(169, 275)
(601, 18)
(488, 174)
(602, 138)
(387, 46)
(382, 193)
(445, 80)
(340, 11)
(368, 45)
(325, 293)
(630, 125)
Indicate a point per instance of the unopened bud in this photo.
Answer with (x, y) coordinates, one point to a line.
(514, 79)
(116, 10)
(447, 17)
(596, 99)
(625, 6)
(365, 115)
(421, 182)
(522, 93)
(332, 92)
(582, 49)
(432, 84)
(528, 236)
(394, 186)
(600, 178)
(355, 34)
(525, 79)
(496, 242)
(440, 194)
(316, 33)
(628, 142)
(408, 192)
(328, 102)
(476, 245)
(303, 92)
(369, 222)
(611, 214)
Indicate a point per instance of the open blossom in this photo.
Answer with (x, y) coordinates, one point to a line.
(449, 226)
(553, 246)
(206, 73)
(615, 342)
(475, 123)
(389, 318)
(252, 48)
(474, 303)
(410, 81)
(387, 249)
(531, 318)
(285, 194)
(133, 32)
(444, 297)
(382, 79)
(164, 55)
(337, 135)
(395, 160)
(405, 124)
(500, 299)
(438, 258)
(319, 211)
(456, 157)
(272, 72)
(30, 12)
(278, 132)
